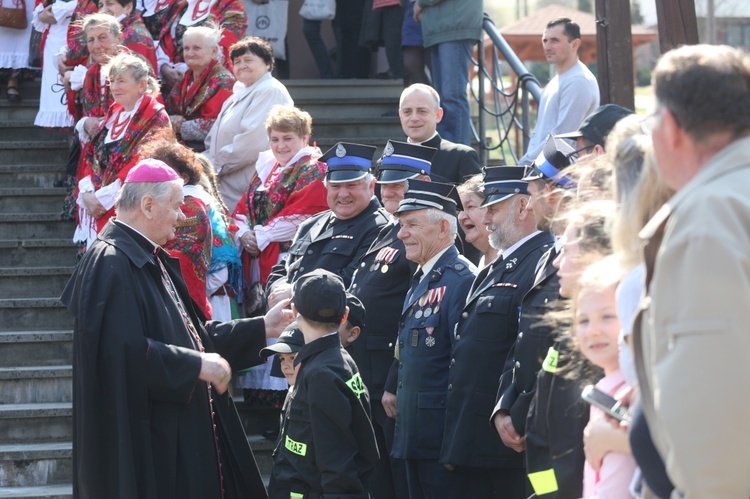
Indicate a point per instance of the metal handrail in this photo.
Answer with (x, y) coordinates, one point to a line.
(505, 103)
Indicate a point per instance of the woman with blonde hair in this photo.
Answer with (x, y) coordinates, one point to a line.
(131, 121)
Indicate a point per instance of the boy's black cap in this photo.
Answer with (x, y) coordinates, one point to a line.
(320, 296)
(403, 161)
(289, 341)
(356, 315)
(598, 124)
(422, 195)
(554, 158)
(347, 162)
(502, 182)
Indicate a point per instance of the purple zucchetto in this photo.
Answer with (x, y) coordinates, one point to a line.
(151, 170)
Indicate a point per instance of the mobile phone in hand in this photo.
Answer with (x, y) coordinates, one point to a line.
(599, 399)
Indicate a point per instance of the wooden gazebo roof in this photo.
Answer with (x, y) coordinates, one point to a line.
(525, 35)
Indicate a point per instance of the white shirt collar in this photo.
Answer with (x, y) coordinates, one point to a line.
(420, 143)
(427, 267)
(509, 251)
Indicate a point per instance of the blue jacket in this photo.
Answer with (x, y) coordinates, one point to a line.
(424, 352)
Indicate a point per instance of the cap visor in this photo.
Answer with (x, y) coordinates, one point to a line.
(410, 207)
(496, 198)
(278, 348)
(341, 176)
(393, 176)
(569, 135)
(533, 174)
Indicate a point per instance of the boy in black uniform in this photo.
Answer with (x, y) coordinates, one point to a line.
(328, 445)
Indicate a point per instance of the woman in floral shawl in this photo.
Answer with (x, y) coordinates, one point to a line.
(135, 36)
(130, 122)
(227, 14)
(195, 102)
(286, 190)
(193, 236)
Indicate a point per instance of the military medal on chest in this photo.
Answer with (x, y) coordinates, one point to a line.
(382, 260)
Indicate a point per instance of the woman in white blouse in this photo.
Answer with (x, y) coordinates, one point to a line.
(239, 133)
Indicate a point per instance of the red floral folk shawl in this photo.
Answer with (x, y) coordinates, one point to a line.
(78, 54)
(156, 21)
(192, 246)
(295, 194)
(107, 162)
(201, 97)
(95, 98)
(229, 14)
(138, 40)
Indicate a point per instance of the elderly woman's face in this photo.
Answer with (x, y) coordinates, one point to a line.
(125, 89)
(198, 52)
(248, 68)
(285, 145)
(113, 8)
(101, 43)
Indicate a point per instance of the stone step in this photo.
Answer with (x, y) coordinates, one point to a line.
(36, 348)
(31, 423)
(262, 450)
(301, 90)
(31, 175)
(27, 465)
(25, 110)
(32, 282)
(33, 314)
(31, 199)
(26, 130)
(37, 252)
(62, 491)
(35, 226)
(36, 384)
(378, 126)
(48, 152)
(362, 107)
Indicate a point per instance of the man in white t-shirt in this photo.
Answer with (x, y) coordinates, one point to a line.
(571, 95)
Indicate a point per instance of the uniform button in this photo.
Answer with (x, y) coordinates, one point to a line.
(400, 365)
(546, 300)
(310, 252)
(518, 365)
(489, 305)
(390, 345)
(450, 387)
(401, 325)
(399, 384)
(334, 248)
(302, 269)
(362, 264)
(453, 362)
(520, 335)
(465, 315)
(401, 344)
(458, 337)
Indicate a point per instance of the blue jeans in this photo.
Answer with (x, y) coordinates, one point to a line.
(450, 77)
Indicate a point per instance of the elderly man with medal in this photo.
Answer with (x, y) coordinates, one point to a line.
(381, 281)
(433, 304)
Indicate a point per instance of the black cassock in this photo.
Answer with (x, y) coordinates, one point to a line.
(143, 421)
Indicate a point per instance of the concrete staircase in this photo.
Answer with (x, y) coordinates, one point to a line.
(37, 257)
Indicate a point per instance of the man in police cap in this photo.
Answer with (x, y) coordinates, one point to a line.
(427, 216)
(591, 136)
(381, 282)
(486, 330)
(335, 239)
(547, 180)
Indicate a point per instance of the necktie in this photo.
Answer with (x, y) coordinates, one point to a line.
(414, 283)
